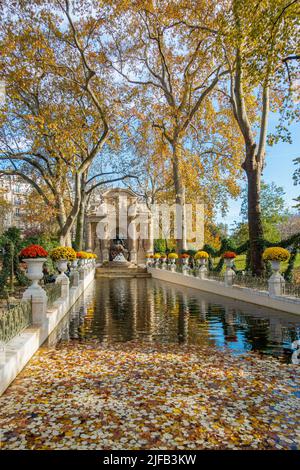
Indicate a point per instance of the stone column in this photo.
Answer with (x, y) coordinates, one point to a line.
(150, 244)
(105, 251)
(133, 252)
(89, 236)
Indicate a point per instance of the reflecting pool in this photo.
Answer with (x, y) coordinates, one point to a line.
(119, 310)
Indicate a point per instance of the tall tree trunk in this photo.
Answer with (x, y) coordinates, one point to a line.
(61, 220)
(70, 220)
(179, 197)
(80, 224)
(254, 161)
(256, 234)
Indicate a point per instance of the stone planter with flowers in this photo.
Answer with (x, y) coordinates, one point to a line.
(201, 258)
(163, 259)
(34, 256)
(185, 263)
(61, 256)
(229, 257)
(156, 258)
(172, 257)
(149, 259)
(276, 255)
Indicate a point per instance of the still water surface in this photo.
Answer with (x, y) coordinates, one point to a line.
(115, 310)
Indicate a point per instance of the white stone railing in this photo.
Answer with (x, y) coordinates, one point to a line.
(45, 317)
(227, 288)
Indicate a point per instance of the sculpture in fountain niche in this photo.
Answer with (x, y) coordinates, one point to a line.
(118, 252)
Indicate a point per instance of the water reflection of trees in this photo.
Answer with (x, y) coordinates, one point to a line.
(126, 309)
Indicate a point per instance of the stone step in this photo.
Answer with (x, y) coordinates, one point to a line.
(123, 275)
(122, 272)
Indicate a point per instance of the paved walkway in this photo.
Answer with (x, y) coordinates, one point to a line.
(146, 396)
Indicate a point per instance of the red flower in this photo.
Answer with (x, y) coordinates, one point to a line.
(33, 251)
(184, 255)
(229, 255)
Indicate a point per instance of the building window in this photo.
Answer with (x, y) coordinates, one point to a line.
(17, 212)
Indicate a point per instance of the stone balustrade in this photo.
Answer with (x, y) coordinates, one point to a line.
(224, 285)
(46, 316)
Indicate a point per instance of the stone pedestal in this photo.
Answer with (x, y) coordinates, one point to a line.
(105, 255)
(75, 275)
(133, 256)
(38, 298)
(202, 273)
(276, 284)
(65, 283)
(81, 273)
(185, 270)
(229, 277)
(229, 273)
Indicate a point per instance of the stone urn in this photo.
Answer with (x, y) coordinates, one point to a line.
(229, 262)
(275, 265)
(62, 265)
(74, 264)
(35, 272)
(172, 264)
(185, 261)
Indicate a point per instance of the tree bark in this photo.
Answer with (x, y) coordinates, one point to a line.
(80, 225)
(255, 226)
(254, 161)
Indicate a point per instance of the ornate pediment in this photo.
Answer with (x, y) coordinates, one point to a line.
(116, 193)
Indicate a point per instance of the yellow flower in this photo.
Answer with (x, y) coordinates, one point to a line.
(276, 253)
(201, 254)
(173, 256)
(63, 252)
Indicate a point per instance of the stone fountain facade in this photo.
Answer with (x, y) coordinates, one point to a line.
(119, 223)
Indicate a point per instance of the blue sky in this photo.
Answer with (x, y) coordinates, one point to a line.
(279, 168)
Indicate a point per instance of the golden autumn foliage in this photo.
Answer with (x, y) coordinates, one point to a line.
(176, 87)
